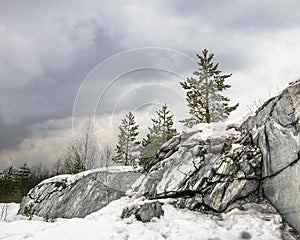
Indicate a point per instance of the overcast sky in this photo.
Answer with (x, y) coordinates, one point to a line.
(53, 51)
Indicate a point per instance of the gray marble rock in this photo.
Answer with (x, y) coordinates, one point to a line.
(283, 191)
(78, 195)
(144, 212)
(275, 129)
(217, 169)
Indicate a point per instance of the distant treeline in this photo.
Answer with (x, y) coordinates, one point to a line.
(15, 183)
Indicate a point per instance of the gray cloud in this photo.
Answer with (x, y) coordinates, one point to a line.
(11, 135)
(244, 16)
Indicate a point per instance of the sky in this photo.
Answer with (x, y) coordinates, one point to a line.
(64, 61)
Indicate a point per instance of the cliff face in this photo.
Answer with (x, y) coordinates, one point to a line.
(207, 168)
(275, 129)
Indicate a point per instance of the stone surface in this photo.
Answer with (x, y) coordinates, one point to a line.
(78, 195)
(212, 169)
(144, 212)
(283, 191)
(275, 129)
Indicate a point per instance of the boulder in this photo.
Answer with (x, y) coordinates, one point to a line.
(275, 129)
(78, 195)
(145, 212)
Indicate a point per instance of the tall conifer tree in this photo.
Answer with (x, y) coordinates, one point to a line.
(205, 101)
(127, 146)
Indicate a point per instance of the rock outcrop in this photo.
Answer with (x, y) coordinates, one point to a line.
(78, 195)
(275, 129)
(209, 167)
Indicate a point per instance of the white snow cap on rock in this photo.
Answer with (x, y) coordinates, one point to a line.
(71, 178)
(204, 131)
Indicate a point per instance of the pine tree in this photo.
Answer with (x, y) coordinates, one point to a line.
(149, 147)
(23, 178)
(161, 131)
(205, 101)
(165, 123)
(127, 146)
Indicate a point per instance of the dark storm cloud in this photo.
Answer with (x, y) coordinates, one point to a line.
(11, 135)
(257, 16)
(267, 16)
(227, 28)
(39, 82)
(53, 96)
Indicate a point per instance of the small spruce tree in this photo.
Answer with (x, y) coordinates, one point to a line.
(161, 131)
(205, 101)
(164, 123)
(127, 146)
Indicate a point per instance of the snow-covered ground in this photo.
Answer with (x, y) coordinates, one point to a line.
(175, 224)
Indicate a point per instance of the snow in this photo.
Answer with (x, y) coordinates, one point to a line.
(204, 131)
(71, 178)
(106, 224)
(235, 146)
